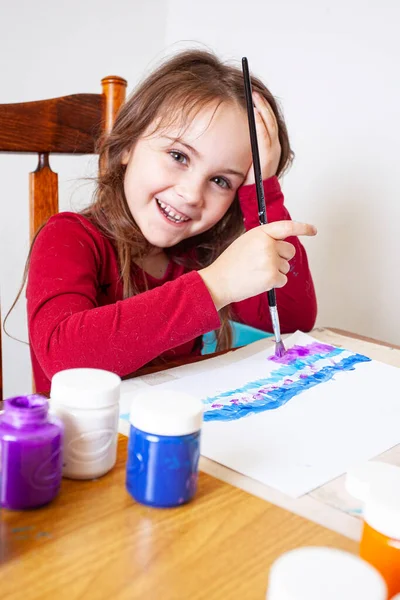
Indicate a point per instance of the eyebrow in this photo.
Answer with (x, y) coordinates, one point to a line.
(198, 155)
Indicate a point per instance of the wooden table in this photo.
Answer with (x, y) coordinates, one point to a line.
(95, 542)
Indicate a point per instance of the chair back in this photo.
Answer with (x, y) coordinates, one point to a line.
(67, 125)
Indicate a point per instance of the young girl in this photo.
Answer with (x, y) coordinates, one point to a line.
(171, 248)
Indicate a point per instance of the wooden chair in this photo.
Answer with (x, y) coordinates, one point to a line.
(66, 125)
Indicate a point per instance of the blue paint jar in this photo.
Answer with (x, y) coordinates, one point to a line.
(164, 447)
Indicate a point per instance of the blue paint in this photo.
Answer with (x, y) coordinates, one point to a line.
(279, 374)
(270, 397)
(162, 470)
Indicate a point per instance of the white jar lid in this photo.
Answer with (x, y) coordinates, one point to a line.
(166, 412)
(85, 388)
(360, 478)
(324, 574)
(382, 507)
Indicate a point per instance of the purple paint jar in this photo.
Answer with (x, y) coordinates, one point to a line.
(31, 444)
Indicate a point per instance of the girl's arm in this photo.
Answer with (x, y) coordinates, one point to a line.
(296, 301)
(68, 328)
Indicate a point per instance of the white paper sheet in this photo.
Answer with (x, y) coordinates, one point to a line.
(321, 430)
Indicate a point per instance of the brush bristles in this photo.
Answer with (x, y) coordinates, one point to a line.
(279, 349)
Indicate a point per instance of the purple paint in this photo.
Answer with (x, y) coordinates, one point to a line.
(30, 453)
(300, 351)
(279, 349)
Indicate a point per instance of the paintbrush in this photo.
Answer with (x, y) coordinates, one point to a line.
(262, 212)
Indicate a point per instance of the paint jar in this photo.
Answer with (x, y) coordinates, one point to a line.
(87, 402)
(31, 443)
(164, 447)
(377, 486)
(316, 573)
(380, 541)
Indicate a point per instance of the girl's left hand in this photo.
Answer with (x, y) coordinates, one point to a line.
(268, 141)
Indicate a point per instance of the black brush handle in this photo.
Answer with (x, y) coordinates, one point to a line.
(262, 211)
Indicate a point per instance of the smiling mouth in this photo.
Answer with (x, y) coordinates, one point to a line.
(170, 213)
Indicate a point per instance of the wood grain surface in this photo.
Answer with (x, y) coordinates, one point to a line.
(95, 542)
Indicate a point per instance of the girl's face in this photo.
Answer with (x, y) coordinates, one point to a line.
(178, 188)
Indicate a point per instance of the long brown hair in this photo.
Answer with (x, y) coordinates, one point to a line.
(176, 91)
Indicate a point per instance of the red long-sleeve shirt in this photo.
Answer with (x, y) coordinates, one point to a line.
(77, 318)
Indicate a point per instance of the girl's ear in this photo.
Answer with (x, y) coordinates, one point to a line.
(125, 157)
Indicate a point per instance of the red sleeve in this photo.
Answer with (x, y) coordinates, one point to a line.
(296, 301)
(68, 329)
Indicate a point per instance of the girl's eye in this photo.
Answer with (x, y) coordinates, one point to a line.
(178, 156)
(222, 182)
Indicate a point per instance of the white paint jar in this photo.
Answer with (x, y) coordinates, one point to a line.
(318, 573)
(87, 402)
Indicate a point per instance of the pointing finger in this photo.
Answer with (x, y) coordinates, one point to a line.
(279, 230)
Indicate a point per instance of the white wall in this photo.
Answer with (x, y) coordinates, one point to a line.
(335, 68)
(50, 49)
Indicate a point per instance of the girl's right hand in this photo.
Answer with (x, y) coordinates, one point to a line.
(254, 263)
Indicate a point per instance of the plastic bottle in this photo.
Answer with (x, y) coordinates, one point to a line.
(317, 573)
(377, 486)
(31, 443)
(380, 541)
(87, 402)
(164, 447)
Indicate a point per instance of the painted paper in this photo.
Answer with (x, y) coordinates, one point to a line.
(299, 369)
(297, 422)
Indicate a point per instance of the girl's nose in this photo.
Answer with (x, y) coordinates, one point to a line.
(191, 191)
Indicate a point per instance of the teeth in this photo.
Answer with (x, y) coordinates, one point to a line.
(172, 216)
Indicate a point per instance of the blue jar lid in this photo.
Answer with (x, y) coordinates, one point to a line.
(166, 412)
